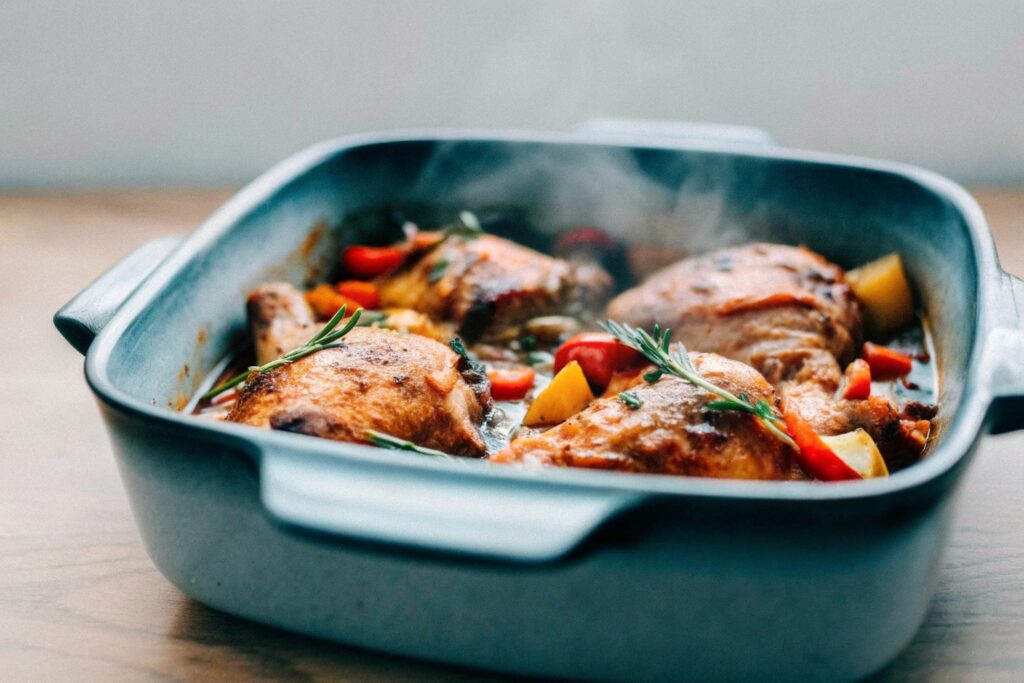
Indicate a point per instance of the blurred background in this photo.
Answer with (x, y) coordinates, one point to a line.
(143, 93)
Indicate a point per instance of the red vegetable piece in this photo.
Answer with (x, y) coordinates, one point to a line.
(599, 354)
(510, 384)
(366, 262)
(885, 362)
(366, 294)
(814, 455)
(325, 301)
(857, 381)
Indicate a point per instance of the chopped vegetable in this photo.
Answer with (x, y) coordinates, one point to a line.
(366, 294)
(886, 363)
(567, 394)
(813, 454)
(510, 384)
(599, 354)
(858, 450)
(882, 288)
(856, 381)
(326, 301)
(366, 262)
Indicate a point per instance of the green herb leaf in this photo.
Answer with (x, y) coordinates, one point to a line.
(653, 376)
(458, 347)
(438, 270)
(630, 399)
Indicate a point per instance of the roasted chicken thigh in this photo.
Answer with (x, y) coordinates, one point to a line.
(405, 385)
(785, 311)
(488, 283)
(671, 431)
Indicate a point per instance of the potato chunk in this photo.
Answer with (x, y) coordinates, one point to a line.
(858, 450)
(882, 287)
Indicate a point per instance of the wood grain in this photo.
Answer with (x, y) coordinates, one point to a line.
(80, 600)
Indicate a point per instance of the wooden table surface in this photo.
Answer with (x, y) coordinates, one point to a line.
(79, 599)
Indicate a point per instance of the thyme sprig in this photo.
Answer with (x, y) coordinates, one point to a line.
(326, 338)
(382, 440)
(656, 347)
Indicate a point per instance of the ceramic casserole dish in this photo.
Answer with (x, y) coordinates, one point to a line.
(559, 573)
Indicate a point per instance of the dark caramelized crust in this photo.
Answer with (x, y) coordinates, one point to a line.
(405, 385)
(672, 432)
(488, 283)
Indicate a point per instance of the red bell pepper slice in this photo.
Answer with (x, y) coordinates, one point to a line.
(366, 262)
(599, 354)
(325, 301)
(886, 362)
(857, 381)
(366, 294)
(814, 455)
(510, 384)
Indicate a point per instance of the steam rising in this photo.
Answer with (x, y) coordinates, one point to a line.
(679, 204)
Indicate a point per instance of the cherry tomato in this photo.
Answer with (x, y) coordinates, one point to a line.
(599, 354)
(366, 262)
(510, 384)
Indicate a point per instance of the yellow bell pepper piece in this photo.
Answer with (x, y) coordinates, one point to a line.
(882, 288)
(567, 394)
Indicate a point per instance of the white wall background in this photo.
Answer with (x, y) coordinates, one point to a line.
(145, 92)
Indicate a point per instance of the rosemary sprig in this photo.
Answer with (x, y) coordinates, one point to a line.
(631, 400)
(656, 348)
(326, 338)
(382, 440)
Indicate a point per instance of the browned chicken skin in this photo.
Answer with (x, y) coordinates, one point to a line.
(488, 283)
(405, 385)
(787, 312)
(672, 432)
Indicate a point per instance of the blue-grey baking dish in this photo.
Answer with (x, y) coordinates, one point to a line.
(562, 573)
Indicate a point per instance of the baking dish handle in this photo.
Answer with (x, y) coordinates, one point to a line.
(638, 132)
(1004, 361)
(82, 318)
(438, 510)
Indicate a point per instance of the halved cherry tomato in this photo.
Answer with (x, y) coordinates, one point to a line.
(366, 294)
(857, 380)
(886, 363)
(325, 301)
(510, 384)
(366, 262)
(599, 354)
(814, 455)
